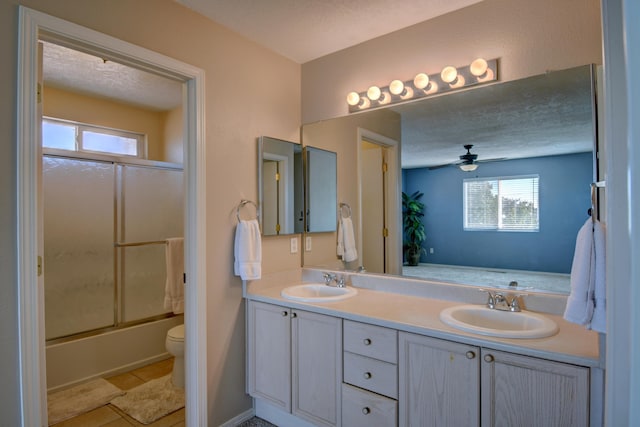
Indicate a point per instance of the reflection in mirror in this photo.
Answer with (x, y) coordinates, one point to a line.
(321, 190)
(280, 186)
(540, 126)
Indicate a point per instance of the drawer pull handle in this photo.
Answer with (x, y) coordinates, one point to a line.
(366, 410)
(367, 341)
(470, 355)
(488, 358)
(367, 375)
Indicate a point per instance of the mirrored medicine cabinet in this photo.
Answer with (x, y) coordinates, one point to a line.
(287, 173)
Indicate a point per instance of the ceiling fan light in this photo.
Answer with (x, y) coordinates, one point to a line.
(468, 167)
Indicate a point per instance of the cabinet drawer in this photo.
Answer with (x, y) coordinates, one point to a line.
(372, 341)
(371, 374)
(362, 408)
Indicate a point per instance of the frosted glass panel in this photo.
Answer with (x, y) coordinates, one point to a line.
(78, 245)
(152, 210)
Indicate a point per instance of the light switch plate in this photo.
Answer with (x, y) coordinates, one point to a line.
(307, 243)
(294, 245)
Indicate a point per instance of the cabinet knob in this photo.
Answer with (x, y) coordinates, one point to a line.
(285, 313)
(366, 410)
(294, 314)
(367, 341)
(470, 355)
(488, 358)
(367, 375)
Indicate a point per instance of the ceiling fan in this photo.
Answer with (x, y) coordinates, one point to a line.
(468, 161)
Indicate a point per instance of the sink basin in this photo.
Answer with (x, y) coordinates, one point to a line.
(317, 292)
(504, 324)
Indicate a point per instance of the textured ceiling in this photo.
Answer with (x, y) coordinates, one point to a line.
(79, 72)
(544, 115)
(303, 30)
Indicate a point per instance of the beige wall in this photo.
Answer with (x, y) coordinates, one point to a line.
(61, 104)
(239, 108)
(529, 38)
(173, 135)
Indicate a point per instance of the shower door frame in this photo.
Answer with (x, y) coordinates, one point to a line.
(34, 26)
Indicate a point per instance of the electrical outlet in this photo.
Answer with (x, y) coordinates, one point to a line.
(430, 250)
(294, 245)
(307, 243)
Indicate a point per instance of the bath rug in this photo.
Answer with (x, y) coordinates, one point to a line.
(151, 400)
(82, 398)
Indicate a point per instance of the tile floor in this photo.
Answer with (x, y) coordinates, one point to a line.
(110, 416)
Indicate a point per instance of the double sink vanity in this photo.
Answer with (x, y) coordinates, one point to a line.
(386, 351)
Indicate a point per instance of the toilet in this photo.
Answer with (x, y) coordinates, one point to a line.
(175, 347)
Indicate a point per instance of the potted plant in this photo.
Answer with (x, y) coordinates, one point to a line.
(414, 235)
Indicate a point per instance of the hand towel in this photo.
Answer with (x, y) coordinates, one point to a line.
(598, 320)
(174, 286)
(248, 250)
(346, 240)
(588, 278)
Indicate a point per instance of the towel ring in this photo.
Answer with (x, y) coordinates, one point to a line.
(243, 202)
(342, 206)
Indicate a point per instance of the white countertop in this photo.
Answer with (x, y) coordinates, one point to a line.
(420, 314)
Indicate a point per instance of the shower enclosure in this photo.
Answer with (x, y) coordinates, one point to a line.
(105, 225)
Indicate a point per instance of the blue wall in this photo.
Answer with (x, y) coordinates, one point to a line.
(564, 197)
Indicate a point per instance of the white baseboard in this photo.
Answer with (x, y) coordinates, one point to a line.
(239, 419)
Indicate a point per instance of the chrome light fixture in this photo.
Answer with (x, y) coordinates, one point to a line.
(480, 71)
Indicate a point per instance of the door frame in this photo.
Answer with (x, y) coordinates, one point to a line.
(393, 252)
(33, 26)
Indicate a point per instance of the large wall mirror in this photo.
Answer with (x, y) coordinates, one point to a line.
(541, 127)
(281, 191)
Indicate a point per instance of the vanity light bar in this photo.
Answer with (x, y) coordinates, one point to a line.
(480, 71)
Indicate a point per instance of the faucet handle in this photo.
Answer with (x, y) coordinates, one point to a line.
(491, 299)
(514, 305)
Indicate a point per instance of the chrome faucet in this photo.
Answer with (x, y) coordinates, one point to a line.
(330, 277)
(499, 301)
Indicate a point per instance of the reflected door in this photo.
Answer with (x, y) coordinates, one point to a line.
(373, 207)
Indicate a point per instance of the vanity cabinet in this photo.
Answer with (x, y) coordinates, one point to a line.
(370, 389)
(451, 384)
(294, 361)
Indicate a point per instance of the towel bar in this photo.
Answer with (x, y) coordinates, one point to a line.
(241, 205)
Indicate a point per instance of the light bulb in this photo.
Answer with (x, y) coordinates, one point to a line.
(421, 81)
(449, 74)
(396, 87)
(353, 99)
(374, 93)
(478, 67)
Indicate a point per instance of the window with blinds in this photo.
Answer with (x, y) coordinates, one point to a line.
(503, 204)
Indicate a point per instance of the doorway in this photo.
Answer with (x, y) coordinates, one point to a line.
(380, 234)
(35, 26)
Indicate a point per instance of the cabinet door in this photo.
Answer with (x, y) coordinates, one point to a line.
(525, 391)
(439, 382)
(317, 367)
(269, 353)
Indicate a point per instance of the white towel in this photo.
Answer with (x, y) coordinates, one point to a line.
(598, 320)
(588, 278)
(248, 250)
(346, 248)
(174, 286)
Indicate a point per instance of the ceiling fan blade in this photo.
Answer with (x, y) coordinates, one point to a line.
(497, 159)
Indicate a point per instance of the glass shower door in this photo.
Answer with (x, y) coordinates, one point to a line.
(79, 215)
(152, 210)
